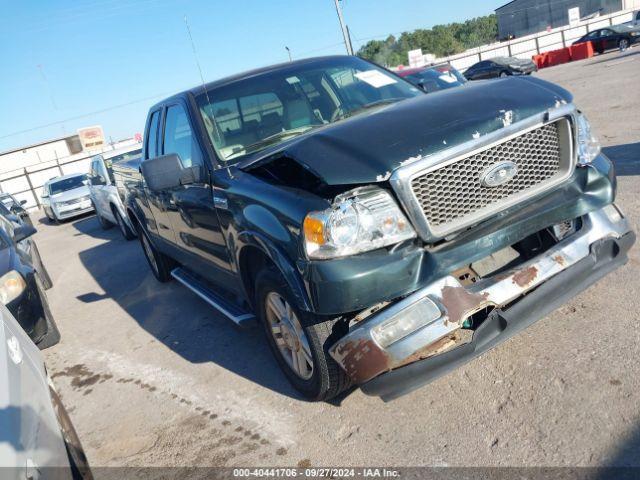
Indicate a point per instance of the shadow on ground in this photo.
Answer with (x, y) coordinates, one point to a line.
(89, 225)
(626, 158)
(608, 57)
(625, 462)
(174, 315)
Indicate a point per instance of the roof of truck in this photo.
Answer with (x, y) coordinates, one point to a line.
(247, 74)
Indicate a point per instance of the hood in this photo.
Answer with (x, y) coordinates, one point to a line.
(82, 191)
(368, 147)
(6, 260)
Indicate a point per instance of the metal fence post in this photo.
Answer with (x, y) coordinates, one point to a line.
(33, 192)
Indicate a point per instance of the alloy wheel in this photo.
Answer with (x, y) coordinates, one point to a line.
(289, 336)
(148, 250)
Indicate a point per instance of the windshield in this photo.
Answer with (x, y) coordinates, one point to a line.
(263, 110)
(123, 157)
(439, 78)
(60, 186)
(8, 201)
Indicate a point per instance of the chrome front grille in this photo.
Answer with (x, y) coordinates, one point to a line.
(451, 193)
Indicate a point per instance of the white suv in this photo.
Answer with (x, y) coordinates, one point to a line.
(104, 193)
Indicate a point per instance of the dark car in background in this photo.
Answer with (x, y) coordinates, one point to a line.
(433, 78)
(16, 207)
(23, 281)
(500, 67)
(616, 36)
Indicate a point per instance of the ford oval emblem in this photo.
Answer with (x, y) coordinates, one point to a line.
(498, 174)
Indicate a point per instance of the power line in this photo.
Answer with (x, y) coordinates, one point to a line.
(84, 115)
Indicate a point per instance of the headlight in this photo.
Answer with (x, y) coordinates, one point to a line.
(11, 286)
(588, 144)
(363, 219)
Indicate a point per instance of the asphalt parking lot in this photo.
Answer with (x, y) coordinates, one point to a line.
(152, 376)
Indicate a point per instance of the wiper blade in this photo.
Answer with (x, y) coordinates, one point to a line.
(368, 106)
(279, 136)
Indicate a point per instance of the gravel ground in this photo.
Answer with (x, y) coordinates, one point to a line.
(154, 377)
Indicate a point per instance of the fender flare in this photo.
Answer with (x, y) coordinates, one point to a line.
(286, 268)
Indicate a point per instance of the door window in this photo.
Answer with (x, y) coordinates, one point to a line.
(152, 139)
(178, 137)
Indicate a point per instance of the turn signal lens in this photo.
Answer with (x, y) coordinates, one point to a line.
(314, 230)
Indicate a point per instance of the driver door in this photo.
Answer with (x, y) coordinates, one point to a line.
(191, 209)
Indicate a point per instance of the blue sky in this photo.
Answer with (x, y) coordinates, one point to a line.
(76, 60)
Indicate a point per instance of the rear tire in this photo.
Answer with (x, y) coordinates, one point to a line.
(122, 226)
(326, 379)
(160, 264)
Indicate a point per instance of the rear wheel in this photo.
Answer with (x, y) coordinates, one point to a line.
(160, 264)
(104, 223)
(122, 225)
(299, 340)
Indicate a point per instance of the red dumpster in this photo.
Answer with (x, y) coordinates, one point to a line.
(557, 57)
(581, 51)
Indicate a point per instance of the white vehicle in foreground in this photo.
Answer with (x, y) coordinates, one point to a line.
(66, 197)
(104, 192)
(37, 438)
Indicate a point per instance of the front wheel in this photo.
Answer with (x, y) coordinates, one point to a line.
(623, 44)
(160, 264)
(503, 74)
(299, 340)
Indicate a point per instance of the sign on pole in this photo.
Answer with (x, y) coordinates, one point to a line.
(574, 16)
(416, 59)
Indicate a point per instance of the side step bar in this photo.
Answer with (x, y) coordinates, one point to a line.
(232, 312)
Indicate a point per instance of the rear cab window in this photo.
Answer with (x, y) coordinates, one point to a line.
(151, 150)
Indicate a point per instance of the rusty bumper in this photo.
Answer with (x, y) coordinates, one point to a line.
(602, 241)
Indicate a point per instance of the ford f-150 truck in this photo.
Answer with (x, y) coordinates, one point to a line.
(380, 236)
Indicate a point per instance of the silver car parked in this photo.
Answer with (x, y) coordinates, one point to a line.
(66, 197)
(37, 438)
(104, 193)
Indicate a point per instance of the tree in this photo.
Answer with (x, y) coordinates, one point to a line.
(440, 40)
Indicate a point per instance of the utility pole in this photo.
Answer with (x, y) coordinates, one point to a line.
(345, 30)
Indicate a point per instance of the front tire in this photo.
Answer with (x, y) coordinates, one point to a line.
(104, 223)
(299, 340)
(504, 74)
(160, 264)
(623, 44)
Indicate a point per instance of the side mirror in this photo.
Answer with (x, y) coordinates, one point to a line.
(23, 202)
(165, 172)
(23, 232)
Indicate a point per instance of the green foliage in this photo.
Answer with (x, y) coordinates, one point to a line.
(441, 40)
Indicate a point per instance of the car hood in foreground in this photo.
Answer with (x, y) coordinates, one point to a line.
(368, 147)
(82, 191)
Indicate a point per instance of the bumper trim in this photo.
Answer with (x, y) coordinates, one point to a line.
(363, 359)
(605, 256)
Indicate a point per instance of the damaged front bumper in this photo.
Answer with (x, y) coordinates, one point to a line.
(518, 298)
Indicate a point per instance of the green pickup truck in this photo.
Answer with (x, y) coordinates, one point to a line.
(380, 236)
